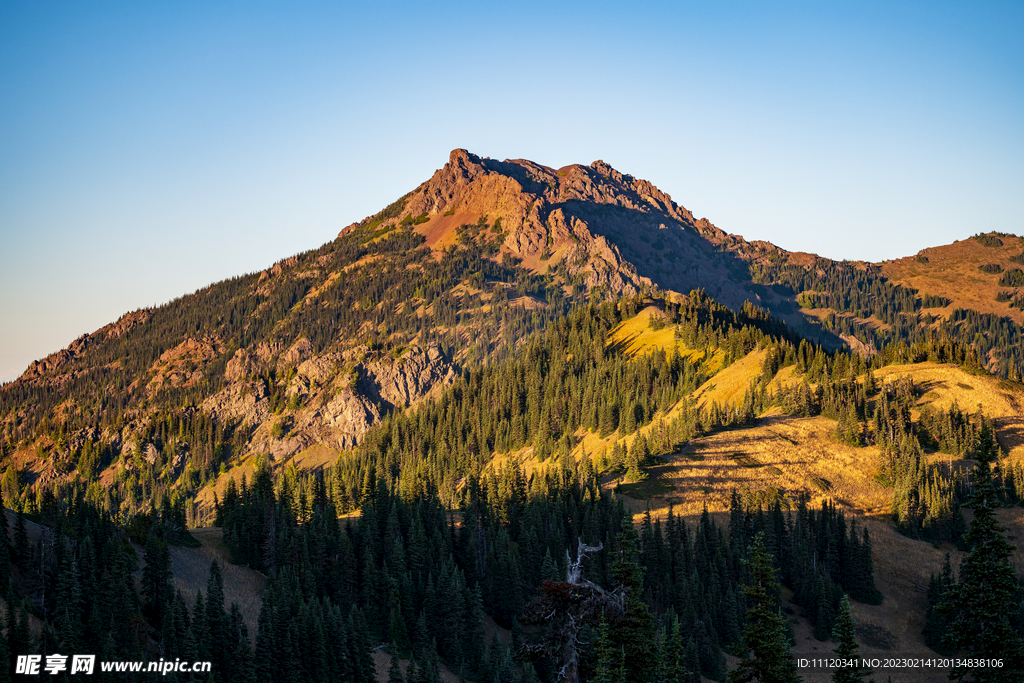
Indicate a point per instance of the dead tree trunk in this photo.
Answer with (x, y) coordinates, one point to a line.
(567, 606)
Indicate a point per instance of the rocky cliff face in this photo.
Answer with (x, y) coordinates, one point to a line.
(600, 227)
(337, 400)
(401, 383)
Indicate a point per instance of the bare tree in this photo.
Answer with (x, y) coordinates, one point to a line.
(566, 606)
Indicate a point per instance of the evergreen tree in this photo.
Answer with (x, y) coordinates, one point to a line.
(394, 672)
(769, 659)
(157, 584)
(936, 620)
(982, 602)
(216, 631)
(5, 655)
(21, 549)
(847, 651)
(605, 654)
(635, 631)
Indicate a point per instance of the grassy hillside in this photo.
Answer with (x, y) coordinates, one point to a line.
(967, 273)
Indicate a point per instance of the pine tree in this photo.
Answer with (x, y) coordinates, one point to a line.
(156, 579)
(529, 674)
(5, 554)
(765, 634)
(847, 651)
(5, 654)
(605, 653)
(216, 619)
(69, 604)
(982, 602)
(394, 672)
(635, 632)
(937, 621)
(21, 549)
(634, 471)
(265, 647)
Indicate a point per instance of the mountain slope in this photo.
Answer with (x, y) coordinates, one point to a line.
(315, 350)
(971, 273)
(598, 229)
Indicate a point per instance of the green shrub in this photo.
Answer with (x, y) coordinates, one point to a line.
(988, 240)
(1012, 278)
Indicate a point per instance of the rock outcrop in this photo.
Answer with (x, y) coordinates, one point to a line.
(330, 410)
(244, 403)
(403, 382)
(602, 228)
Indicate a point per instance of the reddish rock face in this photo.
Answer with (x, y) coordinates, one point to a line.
(600, 227)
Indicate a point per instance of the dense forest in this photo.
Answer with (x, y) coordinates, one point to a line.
(858, 294)
(445, 538)
(338, 590)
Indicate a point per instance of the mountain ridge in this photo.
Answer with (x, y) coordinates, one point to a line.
(322, 345)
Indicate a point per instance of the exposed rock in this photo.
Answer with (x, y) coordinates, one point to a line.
(281, 449)
(279, 267)
(56, 361)
(405, 381)
(296, 353)
(241, 366)
(182, 365)
(356, 353)
(244, 402)
(266, 350)
(344, 419)
(125, 324)
(321, 369)
(535, 205)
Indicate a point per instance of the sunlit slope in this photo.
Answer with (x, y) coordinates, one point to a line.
(943, 385)
(729, 385)
(782, 455)
(966, 273)
(779, 454)
(644, 334)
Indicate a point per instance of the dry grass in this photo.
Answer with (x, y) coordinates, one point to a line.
(788, 454)
(635, 336)
(191, 568)
(730, 384)
(784, 378)
(952, 272)
(945, 384)
(315, 457)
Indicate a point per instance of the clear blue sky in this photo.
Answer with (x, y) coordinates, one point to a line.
(150, 148)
